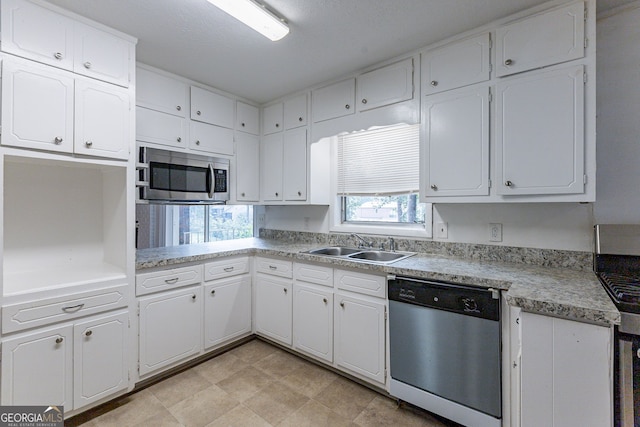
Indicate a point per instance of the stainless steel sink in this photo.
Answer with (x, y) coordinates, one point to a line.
(334, 251)
(361, 255)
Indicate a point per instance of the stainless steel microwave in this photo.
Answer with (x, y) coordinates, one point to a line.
(177, 177)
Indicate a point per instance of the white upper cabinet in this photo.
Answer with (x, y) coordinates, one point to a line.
(455, 151)
(333, 101)
(295, 112)
(271, 167)
(37, 106)
(35, 32)
(102, 55)
(212, 139)
(272, 118)
(212, 108)
(161, 128)
(101, 120)
(247, 168)
(247, 118)
(540, 40)
(456, 65)
(295, 165)
(161, 93)
(387, 85)
(540, 133)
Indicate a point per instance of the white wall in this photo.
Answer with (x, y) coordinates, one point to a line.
(555, 225)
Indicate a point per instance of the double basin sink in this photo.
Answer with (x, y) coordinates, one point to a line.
(363, 255)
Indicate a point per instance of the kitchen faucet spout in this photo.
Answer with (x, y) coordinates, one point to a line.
(365, 243)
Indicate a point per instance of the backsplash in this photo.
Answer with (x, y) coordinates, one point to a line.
(554, 258)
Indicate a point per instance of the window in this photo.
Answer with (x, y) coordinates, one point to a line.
(378, 175)
(170, 225)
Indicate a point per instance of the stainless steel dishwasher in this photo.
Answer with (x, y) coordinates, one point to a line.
(445, 349)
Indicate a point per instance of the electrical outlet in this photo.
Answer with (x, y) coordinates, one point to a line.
(495, 232)
(442, 230)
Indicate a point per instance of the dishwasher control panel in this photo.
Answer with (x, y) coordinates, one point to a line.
(468, 300)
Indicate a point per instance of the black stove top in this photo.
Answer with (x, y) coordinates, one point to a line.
(620, 276)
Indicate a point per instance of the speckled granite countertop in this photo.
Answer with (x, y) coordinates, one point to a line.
(559, 292)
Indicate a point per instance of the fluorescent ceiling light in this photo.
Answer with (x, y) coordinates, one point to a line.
(255, 16)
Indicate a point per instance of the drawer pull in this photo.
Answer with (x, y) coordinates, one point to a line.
(57, 140)
(58, 55)
(228, 269)
(73, 308)
(88, 333)
(193, 297)
(285, 290)
(171, 281)
(179, 108)
(87, 65)
(213, 292)
(273, 267)
(324, 300)
(342, 304)
(59, 340)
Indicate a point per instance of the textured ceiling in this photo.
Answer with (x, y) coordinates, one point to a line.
(328, 38)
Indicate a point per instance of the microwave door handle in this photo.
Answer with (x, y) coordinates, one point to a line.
(211, 181)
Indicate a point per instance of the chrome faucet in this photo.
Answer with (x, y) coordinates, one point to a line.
(365, 243)
(392, 244)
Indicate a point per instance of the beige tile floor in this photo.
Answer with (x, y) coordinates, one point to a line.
(255, 384)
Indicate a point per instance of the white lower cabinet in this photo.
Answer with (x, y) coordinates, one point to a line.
(227, 310)
(70, 365)
(565, 376)
(359, 338)
(170, 328)
(313, 320)
(273, 308)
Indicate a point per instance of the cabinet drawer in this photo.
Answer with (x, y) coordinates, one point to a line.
(362, 283)
(25, 315)
(313, 274)
(274, 267)
(226, 268)
(147, 283)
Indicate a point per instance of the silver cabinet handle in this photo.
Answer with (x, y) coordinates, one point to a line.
(299, 193)
(197, 142)
(324, 300)
(88, 143)
(347, 106)
(285, 290)
(242, 194)
(342, 304)
(59, 340)
(434, 83)
(213, 291)
(273, 267)
(434, 187)
(364, 100)
(242, 124)
(87, 65)
(277, 125)
(179, 139)
(88, 333)
(227, 269)
(508, 62)
(199, 112)
(57, 140)
(171, 281)
(193, 297)
(300, 119)
(58, 55)
(276, 194)
(179, 108)
(508, 183)
(73, 308)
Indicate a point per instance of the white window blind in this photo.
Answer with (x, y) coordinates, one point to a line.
(380, 162)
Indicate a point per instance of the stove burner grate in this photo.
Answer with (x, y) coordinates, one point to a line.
(624, 288)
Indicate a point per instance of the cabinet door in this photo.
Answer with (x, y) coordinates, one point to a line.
(544, 39)
(273, 307)
(37, 33)
(313, 320)
(227, 310)
(247, 167)
(540, 133)
(460, 64)
(566, 372)
(37, 107)
(272, 118)
(102, 120)
(333, 101)
(384, 86)
(295, 165)
(360, 336)
(247, 118)
(102, 55)
(170, 328)
(161, 93)
(37, 368)
(271, 167)
(295, 112)
(212, 108)
(161, 128)
(101, 354)
(456, 144)
(210, 138)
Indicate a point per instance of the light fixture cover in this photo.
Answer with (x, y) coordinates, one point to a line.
(255, 16)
